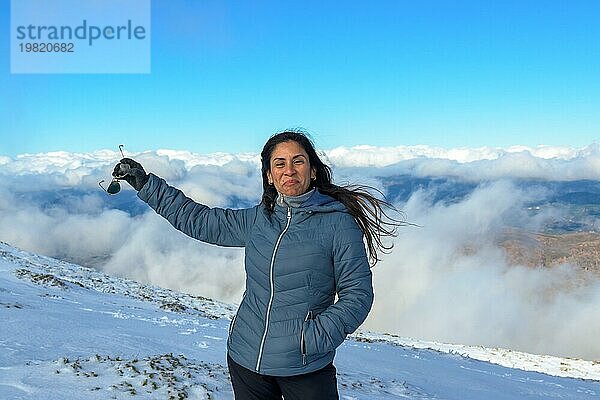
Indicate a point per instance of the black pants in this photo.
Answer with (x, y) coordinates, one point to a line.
(248, 385)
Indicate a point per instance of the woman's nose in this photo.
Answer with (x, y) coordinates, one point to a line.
(289, 170)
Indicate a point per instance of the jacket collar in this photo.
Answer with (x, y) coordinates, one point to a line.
(316, 202)
(294, 201)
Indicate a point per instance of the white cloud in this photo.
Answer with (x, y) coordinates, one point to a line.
(543, 162)
(373, 156)
(450, 281)
(552, 163)
(429, 287)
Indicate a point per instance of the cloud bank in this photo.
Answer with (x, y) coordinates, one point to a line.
(446, 280)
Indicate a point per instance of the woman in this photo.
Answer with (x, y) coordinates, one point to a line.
(303, 246)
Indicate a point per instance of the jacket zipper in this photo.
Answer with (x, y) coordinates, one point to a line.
(272, 282)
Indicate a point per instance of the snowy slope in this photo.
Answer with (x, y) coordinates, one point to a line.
(68, 332)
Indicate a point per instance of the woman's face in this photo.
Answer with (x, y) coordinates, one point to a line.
(290, 169)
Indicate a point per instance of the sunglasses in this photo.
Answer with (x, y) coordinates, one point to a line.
(114, 186)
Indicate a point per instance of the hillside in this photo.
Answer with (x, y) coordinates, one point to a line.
(70, 332)
(579, 249)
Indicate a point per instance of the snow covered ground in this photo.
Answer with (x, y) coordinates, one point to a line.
(68, 332)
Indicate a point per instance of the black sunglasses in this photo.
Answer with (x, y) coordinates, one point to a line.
(114, 186)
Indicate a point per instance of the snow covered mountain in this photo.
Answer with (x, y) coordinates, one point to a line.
(69, 332)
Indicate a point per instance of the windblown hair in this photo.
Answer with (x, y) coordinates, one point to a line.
(370, 213)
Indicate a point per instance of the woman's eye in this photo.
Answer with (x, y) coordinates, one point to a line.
(299, 162)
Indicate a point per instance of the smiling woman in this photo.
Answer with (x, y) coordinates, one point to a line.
(303, 248)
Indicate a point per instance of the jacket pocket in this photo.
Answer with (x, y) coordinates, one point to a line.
(303, 351)
(232, 323)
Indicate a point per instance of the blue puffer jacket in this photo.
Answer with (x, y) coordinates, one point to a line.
(296, 261)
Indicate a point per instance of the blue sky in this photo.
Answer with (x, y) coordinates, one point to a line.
(225, 75)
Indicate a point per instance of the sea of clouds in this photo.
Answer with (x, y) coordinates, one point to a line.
(446, 279)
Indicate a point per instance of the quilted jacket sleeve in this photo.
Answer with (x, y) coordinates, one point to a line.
(354, 287)
(223, 227)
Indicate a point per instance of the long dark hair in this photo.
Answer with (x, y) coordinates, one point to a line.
(370, 213)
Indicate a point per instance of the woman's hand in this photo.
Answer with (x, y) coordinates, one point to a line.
(132, 172)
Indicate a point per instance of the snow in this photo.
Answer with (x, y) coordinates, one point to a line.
(557, 366)
(70, 332)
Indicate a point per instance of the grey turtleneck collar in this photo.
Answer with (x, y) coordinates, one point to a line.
(294, 201)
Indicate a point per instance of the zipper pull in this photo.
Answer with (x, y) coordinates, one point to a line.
(309, 315)
(289, 212)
